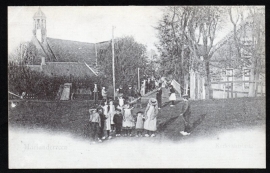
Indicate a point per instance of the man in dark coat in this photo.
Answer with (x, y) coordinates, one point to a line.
(159, 96)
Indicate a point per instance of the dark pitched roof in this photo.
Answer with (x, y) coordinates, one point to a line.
(72, 51)
(75, 69)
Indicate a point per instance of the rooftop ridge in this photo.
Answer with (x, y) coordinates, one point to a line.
(69, 40)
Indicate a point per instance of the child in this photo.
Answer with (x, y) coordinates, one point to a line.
(128, 121)
(102, 120)
(186, 115)
(172, 95)
(151, 111)
(107, 123)
(118, 119)
(121, 100)
(139, 123)
(95, 124)
(104, 93)
(112, 112)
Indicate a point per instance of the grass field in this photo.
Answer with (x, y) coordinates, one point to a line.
(72, 116)
(53, 135)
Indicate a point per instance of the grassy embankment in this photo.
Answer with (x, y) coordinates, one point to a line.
(72, 116)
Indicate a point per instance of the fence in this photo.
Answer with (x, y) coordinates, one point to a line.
(234, 89)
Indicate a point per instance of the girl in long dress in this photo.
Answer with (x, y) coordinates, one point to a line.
(172, 97)
(128, 120)
(107, 123)
(112, 112)
(150, 115)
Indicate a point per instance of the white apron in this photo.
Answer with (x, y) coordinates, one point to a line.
(107, 123)
(112, 112)
(128, 119)
(172, 96)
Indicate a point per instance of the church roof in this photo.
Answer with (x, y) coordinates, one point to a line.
(39, 14)
(73, 51)
(74, 69)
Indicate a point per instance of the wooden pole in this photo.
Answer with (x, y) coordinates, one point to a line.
(139, 79)
(232, 89)
(96, 53)
(261, 89)
(113, 62)
(224, 87)
(228, 94)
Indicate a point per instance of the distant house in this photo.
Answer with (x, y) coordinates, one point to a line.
(225, 65)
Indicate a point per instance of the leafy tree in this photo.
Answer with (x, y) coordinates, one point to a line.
(186, 34)
(249, 41)
(25, 53)
(129, 56)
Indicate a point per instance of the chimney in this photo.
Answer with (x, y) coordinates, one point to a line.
(43, 61)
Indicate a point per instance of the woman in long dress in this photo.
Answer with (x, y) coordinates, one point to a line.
(150, 115)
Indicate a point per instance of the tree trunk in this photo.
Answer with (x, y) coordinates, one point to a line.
(208, 80)
(251, 91)
(182, 77)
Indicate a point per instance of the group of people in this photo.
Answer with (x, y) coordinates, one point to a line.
(108, 119)
(117, 120)
(149, 84)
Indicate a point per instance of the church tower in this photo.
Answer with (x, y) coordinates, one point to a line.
(39, 30)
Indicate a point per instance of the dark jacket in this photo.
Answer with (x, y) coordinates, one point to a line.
(118, 118)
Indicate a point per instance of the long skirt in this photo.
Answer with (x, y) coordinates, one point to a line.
(172, 96)
(150, 124)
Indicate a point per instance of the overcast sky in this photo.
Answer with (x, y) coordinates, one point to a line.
(90, 24)
(87, 24)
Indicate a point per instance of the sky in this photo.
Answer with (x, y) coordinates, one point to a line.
(91, 24)
(86, 24)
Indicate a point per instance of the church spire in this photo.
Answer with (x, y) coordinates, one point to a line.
(39, 29)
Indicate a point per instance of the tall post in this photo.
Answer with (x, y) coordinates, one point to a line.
(139, 88)
(113, 62)
(96, 53)
(21, 54)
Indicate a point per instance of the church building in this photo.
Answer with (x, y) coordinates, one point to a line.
(63, 57)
